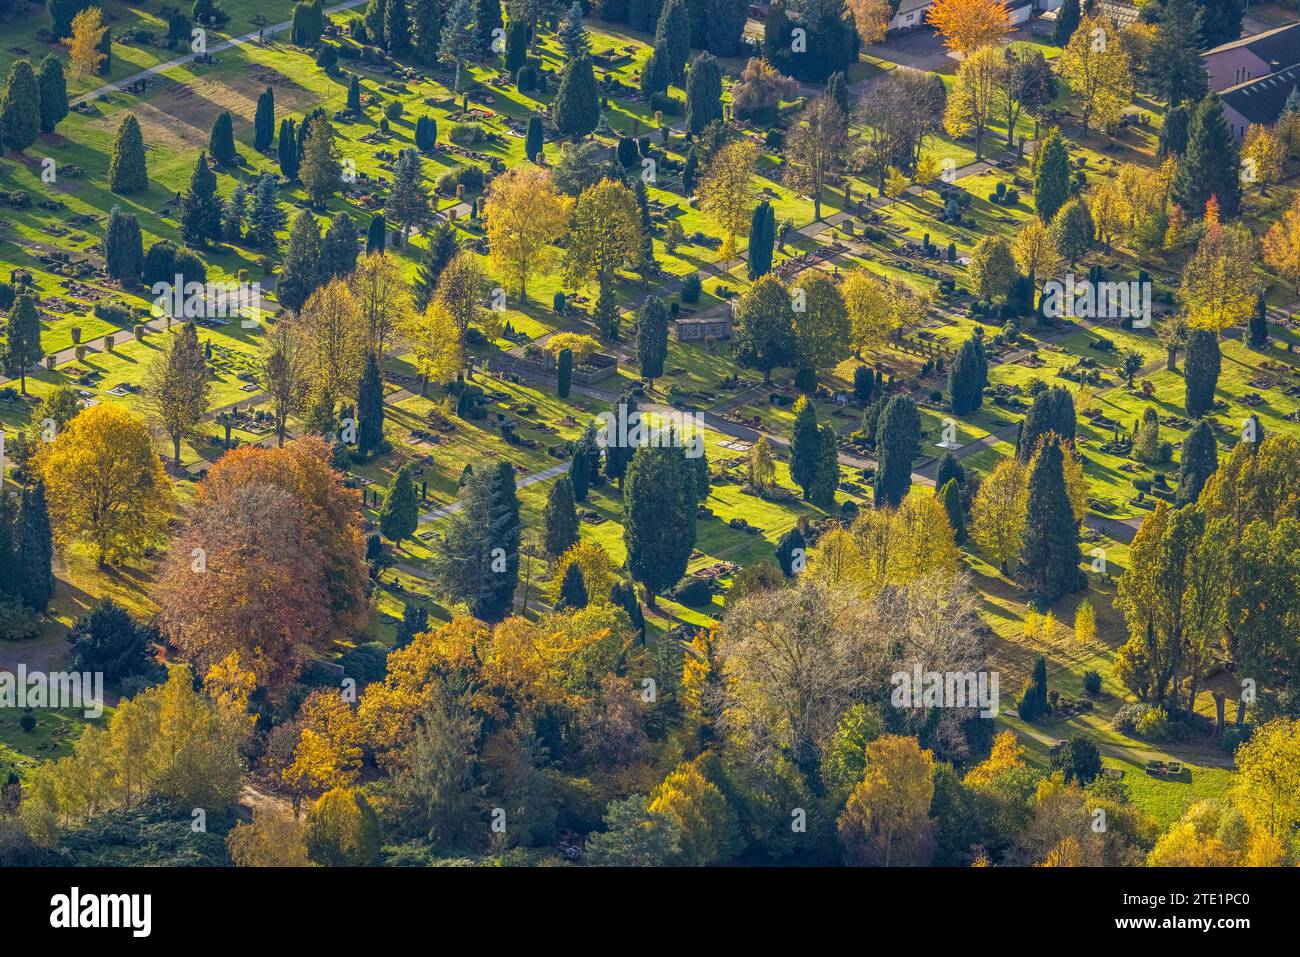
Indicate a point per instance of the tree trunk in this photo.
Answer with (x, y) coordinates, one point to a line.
(1171, 358)
(650, 598)
(1219, 700)
(1241, 712)
(176, 450)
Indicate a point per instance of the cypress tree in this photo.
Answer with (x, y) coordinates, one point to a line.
(123, 247)
(564, 373)
(20, 108)
(397, 26)
(376, 234)
(301, 269)
(659, 509)
(690, 169)
(534, 138)
(837, 88)
(1033, 701)
(288, 157)
(791, 547)
(53, 93)
(442, 248)
(576, 110)
(950, 470)
(560, 519)
(222, 142)
(623, 595)
(35, 548)
(584, 466)
(126, 170)
(1050, 555)
(1051, 176)
(264, 121)
(964, 377)
(1210, 163)
(673, 38)
(22, 348)
(618, 454)
(1200, 459)
(1052, 411)
(826, 471)
(1201, 371)
(505, 534)
(354, 95)
(426, 29)
(573, 590)
(1067, 21)
(373, 18)
(951, 496)
(400, 515)
(805, 445)
(468, 566)
(762, 240)
(897, 433)
(652, 339)
(703, 93)
(370, 408)
(516, 52)
(200, 212)
(1259, 324)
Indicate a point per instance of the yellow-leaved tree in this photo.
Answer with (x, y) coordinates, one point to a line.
(968, 25)
(1097, 67)
(84, 54)
(886, 821)
(525, 215)
(105, 484)
(728, 192)
(436, 344)
(999, 512)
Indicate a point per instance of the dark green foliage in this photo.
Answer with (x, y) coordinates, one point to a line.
(1199, 460)
(762, 240)
(863, 382)
(623, 594)
(1051, 176)
(1209, 165)
(106, 639)
(400, 515)
(1221, 21)
(516, 53)
(1173, 134)
(366, 663)
(200, 212)
(35, 548)
(1051, 411)
(479, 559)
(22, 348)
(62, 13)
(673, 38)
(576, 108)
(1067, 21)
(690, 170)
(221, 144)
(373, 19)
(659, 496)
(300, 273)
(1259, 324)
(534, 138)
(805, 447)
(126, 170)
(307, 23)
(53, 93)
(652, 338)
(165, 260)
(573, 590)
(149, 833)
(726, 23)
(703, 93)
(338, 248)
(1201, 371)
(897, 434)
(585, 466)
(826, 470)
(1174, 63)
(370, 408)
(264, 121)
(1033, 702)
(376, 234)
(426, 133)
(951, 495)
(397, 26)
(1079, 759)
(289, 157)
(1050, 556)
(560, 519)
(20, 108)
(968, 376)
(415, 621)
(123, 247)
(487, 18)
(572, 34)
(950, 470)
(791, 550)
(354, 97)
(265, 216)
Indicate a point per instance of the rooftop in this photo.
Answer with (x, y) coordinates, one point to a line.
(1262, 100)
(1280, 47)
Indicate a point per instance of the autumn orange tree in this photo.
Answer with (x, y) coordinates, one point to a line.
(967, 25)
